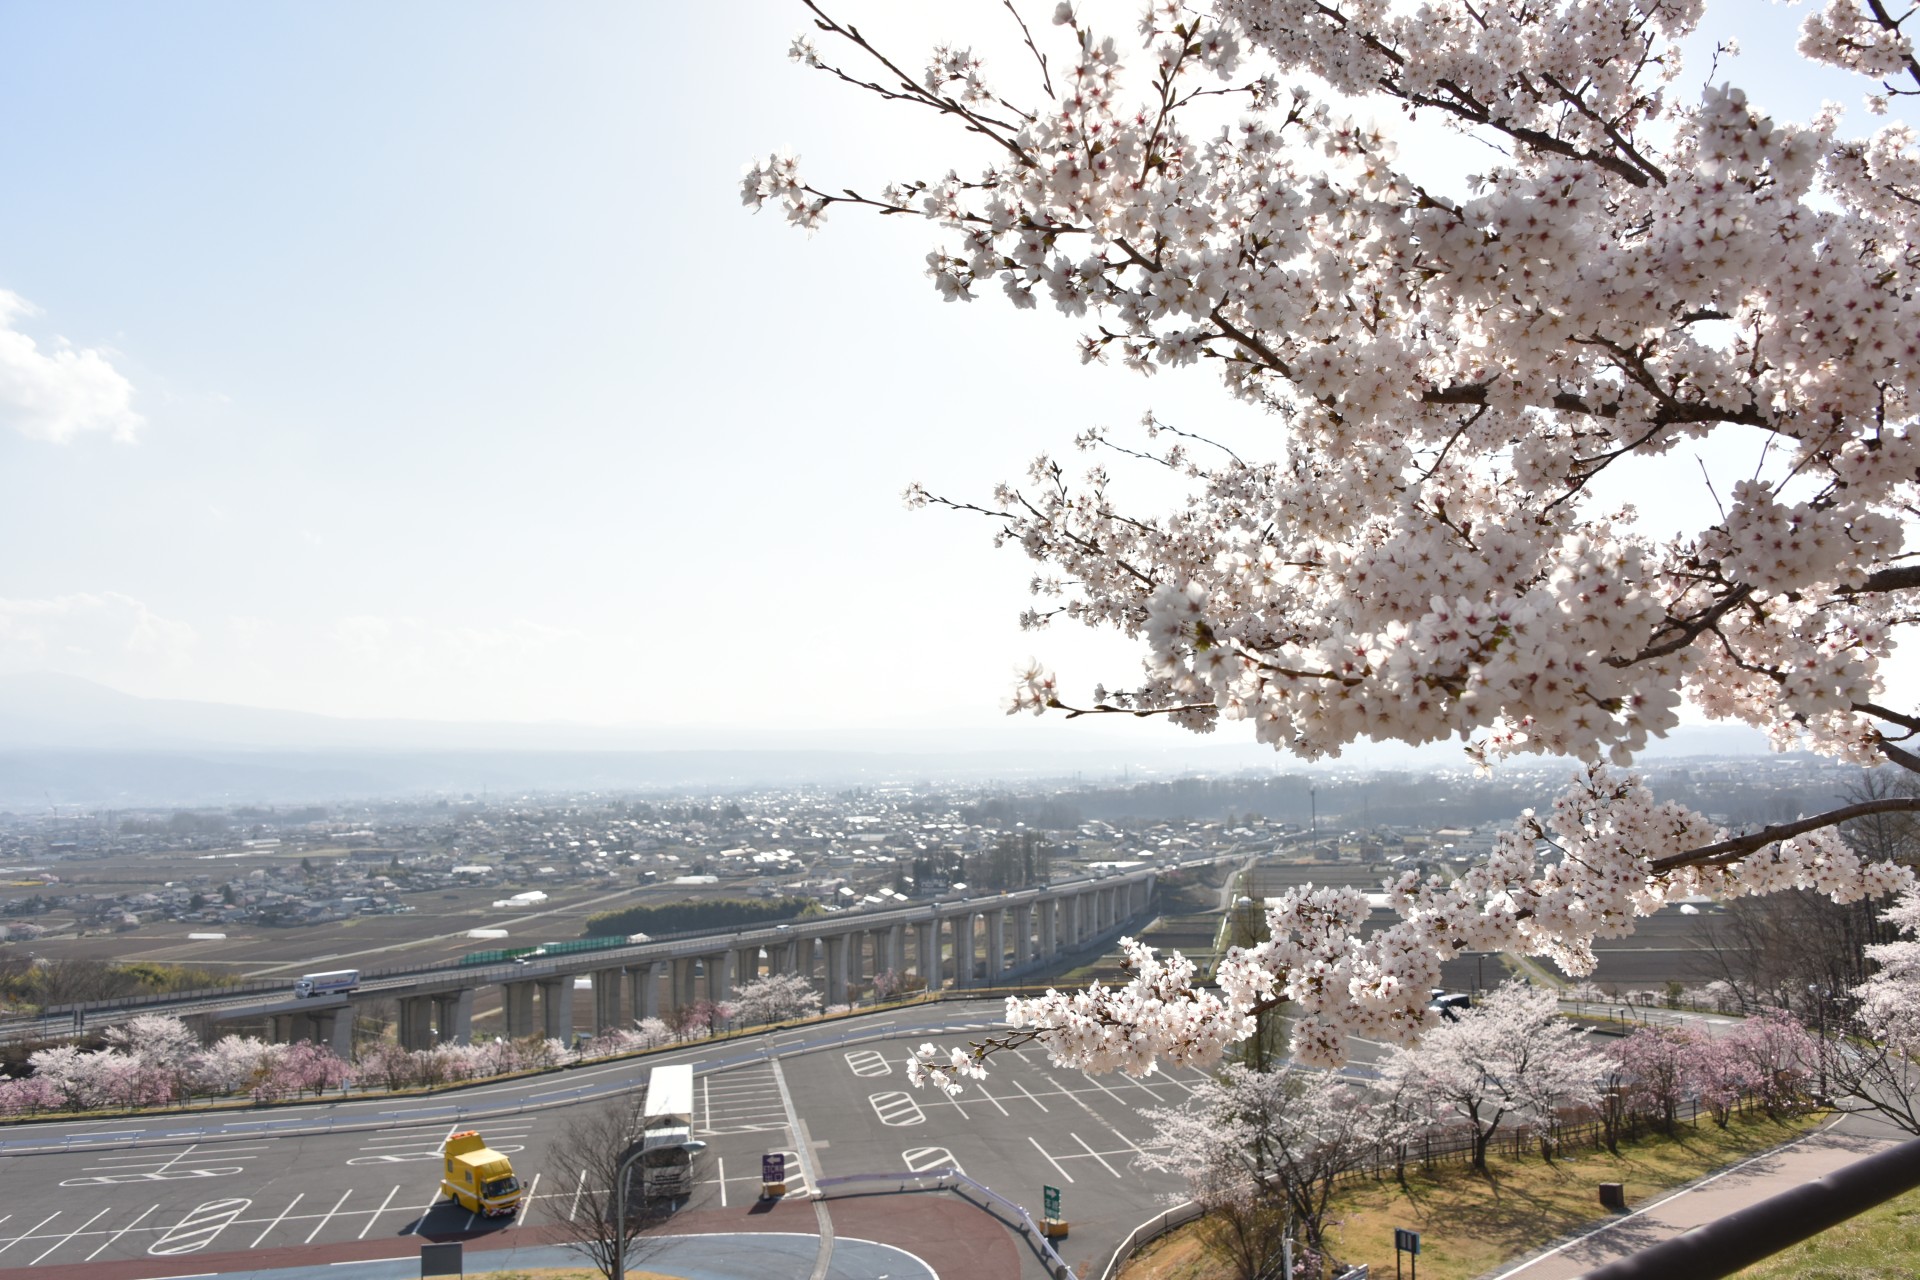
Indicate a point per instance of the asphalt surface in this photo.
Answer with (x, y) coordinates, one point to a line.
(342, 1182)
(350, 1189)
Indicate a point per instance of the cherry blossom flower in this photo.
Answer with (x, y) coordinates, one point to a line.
(1420, 554)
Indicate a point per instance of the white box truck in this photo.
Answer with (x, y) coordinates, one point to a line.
(666, 1134)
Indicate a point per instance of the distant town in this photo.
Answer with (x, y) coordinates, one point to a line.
(79, 875)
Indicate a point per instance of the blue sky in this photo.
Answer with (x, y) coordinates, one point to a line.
(459, 385)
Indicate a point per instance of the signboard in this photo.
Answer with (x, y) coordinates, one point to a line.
(440, 1260)
(773, 1167)
(1052, 1195)
(1405, 1241)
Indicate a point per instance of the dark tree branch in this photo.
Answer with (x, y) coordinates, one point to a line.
(1732, 850)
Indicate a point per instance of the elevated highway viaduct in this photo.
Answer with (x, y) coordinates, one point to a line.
(959, 942)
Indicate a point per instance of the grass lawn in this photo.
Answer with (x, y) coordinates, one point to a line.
(1880, 1244)
(1470, 1224)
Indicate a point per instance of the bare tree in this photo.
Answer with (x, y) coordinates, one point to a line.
(1800, 950)
(585, 1165)
(1864, 1076)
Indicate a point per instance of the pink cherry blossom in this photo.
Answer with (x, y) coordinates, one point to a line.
(1418, 554)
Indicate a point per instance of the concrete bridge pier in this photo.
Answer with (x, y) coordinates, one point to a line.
(996, 944)
(837, 945)
(645, 990)
(1023, 935)
(926, 934)
(720, 976)
(897, 949)
(856, 950)
(330, 1027)
(453, 1016)
(682, 993)
(609, 1003)
(335, 1030)
(1049, 935)
(516, 999)
(963, 950)
(556, 1008)
(416, 1023)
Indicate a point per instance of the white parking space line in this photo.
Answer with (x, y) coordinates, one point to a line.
(277, 1221)
(722, 1162)
(1057, 1166)
(742, 1100)
(897, 1108)
(869, 1062)
(155, 1167)
(200, 1228)
(375, 1217)
(1110, 1093)
(420, 1220)
(1099, 1119)
(29, 1231)
(533, 1190)
(1145, 1088)
(70, 1235)
(579, 1187)
(1095, 1154)
(921, 1159)
(329, 1214)
(116, 1235)
(1030, 1098)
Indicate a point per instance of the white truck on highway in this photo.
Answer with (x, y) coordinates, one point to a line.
(326, 984)
(666, 1134)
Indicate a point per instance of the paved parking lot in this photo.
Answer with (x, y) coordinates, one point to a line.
(1028, 1125)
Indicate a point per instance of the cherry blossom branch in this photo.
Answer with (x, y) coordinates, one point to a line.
(1046, 80)
(1737, 847)
(911, 90)
(1910, 723)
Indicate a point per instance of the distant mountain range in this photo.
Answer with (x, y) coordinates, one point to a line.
(69, 741)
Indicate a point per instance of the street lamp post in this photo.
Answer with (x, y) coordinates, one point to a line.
(1819, 995)
(620, 1211)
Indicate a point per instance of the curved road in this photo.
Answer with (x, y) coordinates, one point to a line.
(345, 1183)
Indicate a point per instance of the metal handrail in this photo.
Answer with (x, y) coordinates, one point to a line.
(1745, 1236)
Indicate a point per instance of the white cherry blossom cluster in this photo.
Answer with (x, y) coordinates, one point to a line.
(1421, 556)
(1890, 1000)
(943, 1069)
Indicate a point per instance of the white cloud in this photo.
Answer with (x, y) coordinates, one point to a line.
(56, 395)
(93, 635)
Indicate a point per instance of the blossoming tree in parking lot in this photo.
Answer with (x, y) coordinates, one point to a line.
(1454, 368)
